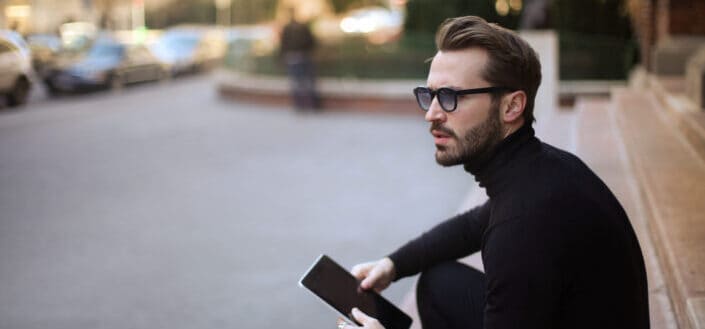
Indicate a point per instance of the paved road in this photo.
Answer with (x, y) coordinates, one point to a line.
(165, 207)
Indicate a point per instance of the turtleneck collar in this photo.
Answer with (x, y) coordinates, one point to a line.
(494, 173)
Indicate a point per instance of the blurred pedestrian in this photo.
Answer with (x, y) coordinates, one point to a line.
(535, 15)
(557, 247)
(296, 47)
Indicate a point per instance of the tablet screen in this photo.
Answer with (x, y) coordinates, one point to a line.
(339, 289)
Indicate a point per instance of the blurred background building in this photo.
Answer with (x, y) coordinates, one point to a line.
(45, 16)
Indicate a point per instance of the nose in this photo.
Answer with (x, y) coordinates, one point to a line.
(435, 112)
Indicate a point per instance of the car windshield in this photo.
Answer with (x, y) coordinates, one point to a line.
(180, 43)
(44, 40)
(106, 51)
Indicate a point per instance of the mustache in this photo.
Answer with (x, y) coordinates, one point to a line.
(443, 129)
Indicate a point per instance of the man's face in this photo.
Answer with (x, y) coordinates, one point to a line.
(471, 132)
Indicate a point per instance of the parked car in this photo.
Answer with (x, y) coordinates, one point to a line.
(44, 48)
(108, 64)
(15, 68)
(187, 50)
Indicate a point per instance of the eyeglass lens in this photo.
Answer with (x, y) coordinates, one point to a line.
(446, 98)
(424, 98)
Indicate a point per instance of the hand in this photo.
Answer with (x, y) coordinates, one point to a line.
(367, 321)
(375, 275)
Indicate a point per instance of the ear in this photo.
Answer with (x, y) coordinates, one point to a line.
(513, 105)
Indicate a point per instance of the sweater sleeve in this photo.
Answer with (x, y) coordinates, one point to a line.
(454, 238)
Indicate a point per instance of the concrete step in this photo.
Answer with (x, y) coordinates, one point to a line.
(600, 144)
(671, 180)
(682, 112)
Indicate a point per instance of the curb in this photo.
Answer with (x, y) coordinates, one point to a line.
(380, 96)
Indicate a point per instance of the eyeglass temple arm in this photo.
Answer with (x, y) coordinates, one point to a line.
(483, 90)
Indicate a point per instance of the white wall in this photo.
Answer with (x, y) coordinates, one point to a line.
(545, 43)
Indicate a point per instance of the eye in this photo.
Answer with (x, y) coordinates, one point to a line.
(446, 91)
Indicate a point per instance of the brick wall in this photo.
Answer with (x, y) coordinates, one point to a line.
(662, 15)
(686, 17)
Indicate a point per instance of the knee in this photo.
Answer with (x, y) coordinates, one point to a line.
(448, 277)
(436, 277)
(451, 295)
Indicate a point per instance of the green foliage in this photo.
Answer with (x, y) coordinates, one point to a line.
(249, 11)
(354, 57)
(341, 6)
(181, 12)
(424, 16)
(595, 57)
(204, 12)
(604, 17)
(595, 39)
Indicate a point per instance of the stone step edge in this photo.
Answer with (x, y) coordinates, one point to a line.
(683, 112)
(688, 311)
(393, 97)
(377, 89)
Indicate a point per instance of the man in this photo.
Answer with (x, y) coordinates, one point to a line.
(297, 44)
(557, 247)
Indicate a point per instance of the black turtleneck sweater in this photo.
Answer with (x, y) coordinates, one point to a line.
(557, 247)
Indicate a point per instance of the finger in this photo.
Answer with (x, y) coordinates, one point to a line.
(341, 324)
(372, 277)
(361, 317)
(368, 282)
(360, 271)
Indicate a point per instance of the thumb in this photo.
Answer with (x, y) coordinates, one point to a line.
(360, 317)
(370, 281)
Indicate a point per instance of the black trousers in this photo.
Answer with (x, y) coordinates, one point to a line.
(451, 295)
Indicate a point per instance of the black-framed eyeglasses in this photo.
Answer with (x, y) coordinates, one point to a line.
(447, 97)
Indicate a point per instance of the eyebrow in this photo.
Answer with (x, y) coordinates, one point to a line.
(449, 87)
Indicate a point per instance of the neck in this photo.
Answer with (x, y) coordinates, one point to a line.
(492, 172)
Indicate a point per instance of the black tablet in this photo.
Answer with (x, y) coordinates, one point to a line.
(339, 289)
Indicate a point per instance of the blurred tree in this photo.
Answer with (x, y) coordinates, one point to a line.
(595, 39)
(181, 12)
(341, 6)
(424, 16)
(252, 11)
(204, 12)
(604, 17)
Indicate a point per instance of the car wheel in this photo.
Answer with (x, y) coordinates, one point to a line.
(19, 93)
(163, 75)
(116, 82)
(51, 88)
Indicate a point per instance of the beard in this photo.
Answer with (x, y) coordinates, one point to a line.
(476, 145)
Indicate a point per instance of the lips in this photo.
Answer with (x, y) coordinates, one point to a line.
(441, 136)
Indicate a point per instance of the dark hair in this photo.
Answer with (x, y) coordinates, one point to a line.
(511, 61)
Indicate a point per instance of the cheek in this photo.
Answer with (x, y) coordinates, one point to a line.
(466, 120)
(474, 108)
